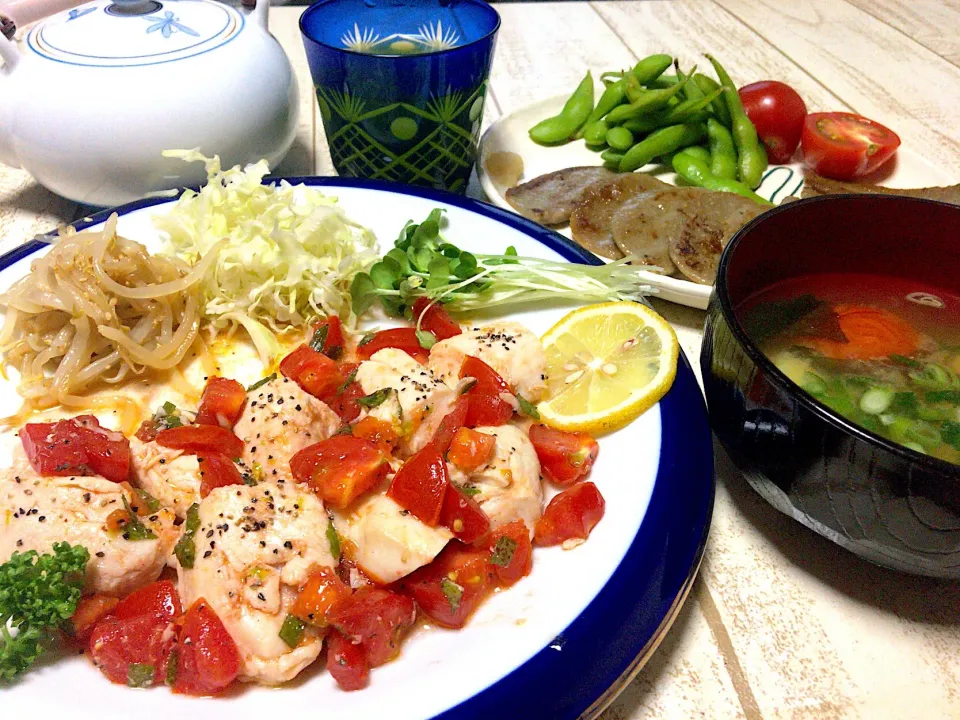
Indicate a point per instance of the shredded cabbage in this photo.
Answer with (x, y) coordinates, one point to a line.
(291, 255)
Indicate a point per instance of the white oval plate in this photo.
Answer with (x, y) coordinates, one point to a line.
(510, 134)
(559, 644)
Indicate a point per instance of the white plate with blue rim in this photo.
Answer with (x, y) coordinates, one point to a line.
(510, 134)
(559, 644)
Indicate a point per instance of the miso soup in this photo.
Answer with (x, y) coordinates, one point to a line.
(882, 352)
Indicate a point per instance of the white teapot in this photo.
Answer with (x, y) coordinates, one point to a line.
(94, 95)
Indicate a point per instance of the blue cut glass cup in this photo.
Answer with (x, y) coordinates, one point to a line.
(401, 85)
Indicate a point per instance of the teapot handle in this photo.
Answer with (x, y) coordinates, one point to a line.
(260, 13)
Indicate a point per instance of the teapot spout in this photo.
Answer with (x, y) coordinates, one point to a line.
(11, 57)
(260, 13)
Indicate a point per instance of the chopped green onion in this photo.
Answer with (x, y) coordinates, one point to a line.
(319, 338)
(333, 538)
(186, 547)
(503, 551)
(135, 530)
(375, 399)
(292, 630)
(933, 377)
(876, 400)
(950, 431)
(452, 592)
(916, 447)
(943, 396)
(813, 383)
(924, 433)
(527, 407)
(140, 675)
(905, 361)
(263, 381)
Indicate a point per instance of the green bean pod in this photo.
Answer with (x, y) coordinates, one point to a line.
(723, 153)
(650, 68)
(649, 101)
(708, 85)
(751, 157)
(562, 127)
(696, 172)
(662, 142)
(612, 96)
(619, 138)
(595, 133)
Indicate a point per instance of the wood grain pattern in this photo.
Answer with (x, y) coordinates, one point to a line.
(932, 23)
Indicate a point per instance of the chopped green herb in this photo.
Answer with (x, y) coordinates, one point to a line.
(135, 530)
(140, 675)
(346, 383)
(319, 338)
(951, 434)
(426, 339)
(186, 547)
(452, 592)
(469, 490)
(528, 408)
(167, 416)
(333, 539)
(503, 551)
(366, 338)
(345, 430)
(173, 665)
(261, 382)
(468, 386)
(149, 501)
(375, 399)
(292, 630)
(944, 396)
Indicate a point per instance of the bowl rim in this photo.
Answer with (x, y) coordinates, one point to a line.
(486, 37)
(760, 359)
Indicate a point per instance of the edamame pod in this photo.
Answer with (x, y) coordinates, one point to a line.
(612, 159)
(563, 126)
(663, 141)
(649, 101)
(650, 68)
(708, 85)
(595, 133)
(751, 157)
(691, 168)
(723, 153)
(619, 138)
(610, 98)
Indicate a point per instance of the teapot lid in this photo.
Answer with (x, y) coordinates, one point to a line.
(134, 33)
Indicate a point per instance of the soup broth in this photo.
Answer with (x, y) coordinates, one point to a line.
(882, 352)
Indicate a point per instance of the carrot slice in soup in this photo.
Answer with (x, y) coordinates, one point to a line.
(871, 333)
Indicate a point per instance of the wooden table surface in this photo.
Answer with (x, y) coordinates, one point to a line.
(781, 623)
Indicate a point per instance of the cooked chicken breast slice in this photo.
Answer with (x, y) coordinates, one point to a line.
(255, 547)
(39, 511)
(171, 476)
(279, 420)
(509, 484)
(508, 347)
(419, 400)
(386, 541)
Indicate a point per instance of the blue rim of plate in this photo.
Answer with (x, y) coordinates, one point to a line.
(589, 662)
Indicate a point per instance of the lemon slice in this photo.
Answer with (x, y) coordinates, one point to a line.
(606, 364)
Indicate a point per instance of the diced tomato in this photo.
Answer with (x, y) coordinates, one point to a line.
(78, 446)
(344, 399)
(420, 484)
(207, 657)
(377, 618)
(322, 591)
(470, 449)
(314, 372)
(485, 407)
(451, 587)
(221, 403)
(201, 440)
(217, 470)
(90, 610)
(565, 457)
(347, 662)
(511, 552)
(147, 432)
(570, 515)
(334, 344)
(159, 599)
(117, 643)
(436, 319)
(376, 431)
(341, 468)
(463, 516)
(400, 338)
(448, 427)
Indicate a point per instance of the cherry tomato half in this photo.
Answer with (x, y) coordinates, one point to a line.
(844, 146)
(777, 111)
